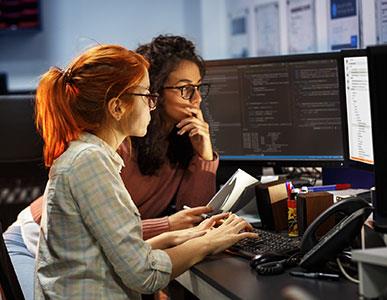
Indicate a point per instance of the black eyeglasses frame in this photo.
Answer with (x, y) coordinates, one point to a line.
(195, 86)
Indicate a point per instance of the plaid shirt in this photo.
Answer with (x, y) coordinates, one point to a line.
(91, 244)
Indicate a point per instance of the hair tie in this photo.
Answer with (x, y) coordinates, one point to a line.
(69, 82)
(68, 76)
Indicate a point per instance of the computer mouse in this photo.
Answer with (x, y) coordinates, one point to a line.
(265, 258)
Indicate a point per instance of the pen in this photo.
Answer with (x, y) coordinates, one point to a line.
(315, 275)
(204, 216)
(331, 187)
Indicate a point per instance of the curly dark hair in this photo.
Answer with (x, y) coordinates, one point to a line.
(157, 147)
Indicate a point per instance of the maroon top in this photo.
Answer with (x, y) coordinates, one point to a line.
(193, 186)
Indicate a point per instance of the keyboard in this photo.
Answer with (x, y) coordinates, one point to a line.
(19, 194)
(267, 242)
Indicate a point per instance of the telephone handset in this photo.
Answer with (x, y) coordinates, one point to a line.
(353, 213)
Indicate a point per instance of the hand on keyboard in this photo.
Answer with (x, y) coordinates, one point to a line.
(267, 242)
(227, 234)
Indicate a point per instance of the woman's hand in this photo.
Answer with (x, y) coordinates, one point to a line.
(177, 237)
(180, 236)
(214, 220)
(213, 241)
(232, 230)
(187, 218)
(198, 132)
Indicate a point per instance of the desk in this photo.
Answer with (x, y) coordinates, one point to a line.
(224, 276)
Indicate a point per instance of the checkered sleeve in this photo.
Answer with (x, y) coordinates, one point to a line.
(112, 218)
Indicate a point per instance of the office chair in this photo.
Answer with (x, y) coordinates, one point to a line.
(8, 279)
(22, 173)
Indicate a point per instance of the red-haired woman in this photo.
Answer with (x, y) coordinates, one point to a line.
(91, 244)
(176, 164)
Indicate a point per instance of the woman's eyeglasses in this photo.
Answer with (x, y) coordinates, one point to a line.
(151, 98)
(187, 91)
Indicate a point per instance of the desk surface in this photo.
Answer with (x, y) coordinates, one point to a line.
(226, 276)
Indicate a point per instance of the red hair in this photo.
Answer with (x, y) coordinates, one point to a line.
(73, 101)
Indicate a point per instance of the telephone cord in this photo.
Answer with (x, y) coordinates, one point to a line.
(350, 278)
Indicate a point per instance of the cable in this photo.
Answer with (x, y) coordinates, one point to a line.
(277, 267)
(270, 268)
(362, 238)
(345, 273)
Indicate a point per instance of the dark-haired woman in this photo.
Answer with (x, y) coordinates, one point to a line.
(177, 162)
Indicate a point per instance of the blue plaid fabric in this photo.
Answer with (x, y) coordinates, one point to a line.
(91, 244)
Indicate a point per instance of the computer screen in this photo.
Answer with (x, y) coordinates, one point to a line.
(282, 110)
(21, 143)
(357, 125)
(377, 62)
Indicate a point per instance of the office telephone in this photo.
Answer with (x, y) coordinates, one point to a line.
(350, 214)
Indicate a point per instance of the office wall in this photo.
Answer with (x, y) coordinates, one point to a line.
(214, 29)
(217, 39)
(69, 26)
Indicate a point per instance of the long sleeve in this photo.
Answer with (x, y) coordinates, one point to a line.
(193, 187)
(91, 240)
(198, 184)
(155, 226)
(115, 222)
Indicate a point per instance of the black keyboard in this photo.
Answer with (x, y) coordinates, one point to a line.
(19, 194)
(267, 242)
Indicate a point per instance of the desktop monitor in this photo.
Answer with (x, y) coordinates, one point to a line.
(20, 140)
(276, 111)
(356, 109)
(377, 60)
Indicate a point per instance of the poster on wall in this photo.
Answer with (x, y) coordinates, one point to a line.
(301, 24)
(343, 24)
(381, 21)
(239, 35)
(268, 31)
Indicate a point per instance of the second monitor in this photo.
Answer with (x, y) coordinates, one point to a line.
(283, 109)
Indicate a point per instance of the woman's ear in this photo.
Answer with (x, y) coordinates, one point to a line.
(116, 108)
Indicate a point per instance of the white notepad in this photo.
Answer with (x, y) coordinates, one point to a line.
(235, 193)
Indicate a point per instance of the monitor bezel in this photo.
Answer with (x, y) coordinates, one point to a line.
(336, 162)
(347, 161)
(378, 89)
